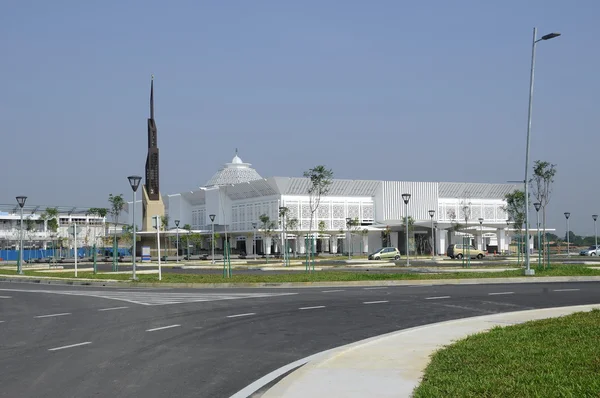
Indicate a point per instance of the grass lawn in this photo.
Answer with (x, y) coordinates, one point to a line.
(318, 276)
(557, 357)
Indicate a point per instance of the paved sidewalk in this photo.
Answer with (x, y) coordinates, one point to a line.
(391, 365)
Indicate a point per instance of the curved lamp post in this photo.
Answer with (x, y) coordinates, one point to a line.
(481, 231)
(526, 180)
(254, 242)
(134, 181)
(177, 241)
(595, 217)
(406, 198)
(21, 201)
(348, 222)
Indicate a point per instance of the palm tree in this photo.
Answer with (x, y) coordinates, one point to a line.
(117, 203)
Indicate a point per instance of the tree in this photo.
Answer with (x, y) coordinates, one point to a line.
(385, 236)
(50, 217)
(411, 228)
(322, 229)
(541, 186)
(292, 226)
(116, 207)
(164, 225)
(100, 212)
(268, 230)
(320, 182)
(188, 228)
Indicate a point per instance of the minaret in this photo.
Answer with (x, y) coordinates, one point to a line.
(151, 200)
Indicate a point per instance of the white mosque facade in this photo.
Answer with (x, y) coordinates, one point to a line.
(443, 213)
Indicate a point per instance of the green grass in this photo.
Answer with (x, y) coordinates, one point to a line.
(318, 276)
(557, 357)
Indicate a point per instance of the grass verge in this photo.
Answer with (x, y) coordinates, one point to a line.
(319, 276)
(557, 357)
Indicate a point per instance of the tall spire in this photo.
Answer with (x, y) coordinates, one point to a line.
(152, 98)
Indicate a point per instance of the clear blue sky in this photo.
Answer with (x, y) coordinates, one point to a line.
(393, 90)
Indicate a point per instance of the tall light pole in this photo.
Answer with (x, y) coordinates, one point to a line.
(156, 223)
(595, 217)
(21, 201)
(431, 214)
(283, 214)
(406, 198)
(134, 181)
(348, 222)
(481, 231)
(177, 241)
(549, 36)
(254, 240)
(212, 239)
(537, 212)
(567, 215)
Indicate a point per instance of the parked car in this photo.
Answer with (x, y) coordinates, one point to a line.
(385, 253)
(459, 251)
(590, 251)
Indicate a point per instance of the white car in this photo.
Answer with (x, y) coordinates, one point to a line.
(591, 251)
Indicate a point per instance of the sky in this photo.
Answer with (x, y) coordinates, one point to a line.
(383, 90)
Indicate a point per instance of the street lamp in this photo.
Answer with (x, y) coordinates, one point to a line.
(507, 236)
(177, 241)
(134, 181)
(348, 221)
(525, 180)
(431, 214)
(567, 215)
(481, 231)
(537, 212)
(283, 213)
(21, 201)
(212, 222)
(254, 241)
(406, 198)
(595, 217)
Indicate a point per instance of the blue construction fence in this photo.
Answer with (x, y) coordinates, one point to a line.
(30, 254)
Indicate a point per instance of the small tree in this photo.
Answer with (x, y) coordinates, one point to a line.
(116, 207)
(268, 231)
(50, 216)
(322, 230)
(164, 225)
(292, 227)
(100, 212)
(321, 179)
(541, 185)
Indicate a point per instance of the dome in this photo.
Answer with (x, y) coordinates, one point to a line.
(233, 173)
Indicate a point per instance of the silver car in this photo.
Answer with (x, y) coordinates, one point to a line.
(590, 251)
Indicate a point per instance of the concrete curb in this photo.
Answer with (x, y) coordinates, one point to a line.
(288, 285)
(385, 366)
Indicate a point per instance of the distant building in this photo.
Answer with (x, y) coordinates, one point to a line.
(237, 196)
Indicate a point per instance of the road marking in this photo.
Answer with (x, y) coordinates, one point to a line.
(163, 327)
(375, 302)
(500, 293)
(566, 290)
(69, 346)
(437, 298)
(374, 288)
(48, 316)
(5, 297)
(332, 291)
(113, 308)
(312, 308)
(235, 316)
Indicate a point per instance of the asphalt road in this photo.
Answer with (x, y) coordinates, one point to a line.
(62, 341)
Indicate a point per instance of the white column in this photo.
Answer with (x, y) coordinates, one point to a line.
(267, 245)
(301, 244)
(365, 240)
(333, 243)
(248, 249)
(441, 240)
(275, 247)
(502, 244)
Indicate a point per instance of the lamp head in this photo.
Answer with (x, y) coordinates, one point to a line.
(595, 217)
(431, 213)
(177, 223)
(567, 215)
(134, 181)
(537, 206)
(480, 221)
(21, 200)
(406, 198)
(212, 217)
(254, 225)
(550, 36)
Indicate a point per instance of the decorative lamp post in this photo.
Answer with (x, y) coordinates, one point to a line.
(21, 201)
(406, 198)
(282, 213)
(134, 181)
(348, 222)
(526, 179)
(595, 217)
(254, 241)
(212, 222)
(431, 214)
(537, 211)
(177, 241)
(567, 215)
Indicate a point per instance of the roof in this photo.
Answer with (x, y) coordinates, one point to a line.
(300, 186)
(233, 173)
(476, 190)
(33, 209)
